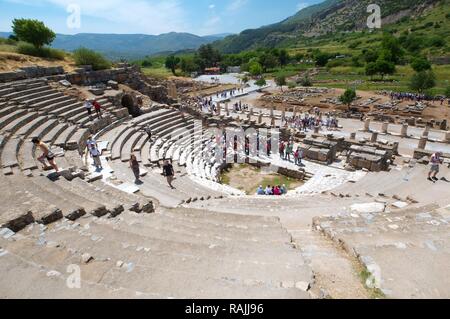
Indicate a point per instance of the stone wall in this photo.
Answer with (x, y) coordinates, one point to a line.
(30, 73)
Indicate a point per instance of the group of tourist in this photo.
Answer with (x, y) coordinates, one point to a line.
(286, 150)
(308, 122)
(229, 93)
(90, 104)
(414, 97)
(272, 190)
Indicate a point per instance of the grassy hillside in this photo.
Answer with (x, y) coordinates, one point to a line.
(330, 18)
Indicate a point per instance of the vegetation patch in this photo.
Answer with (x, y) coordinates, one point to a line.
(248, 178)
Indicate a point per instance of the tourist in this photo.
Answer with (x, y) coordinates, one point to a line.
(435, 162)
(134, 165)
(260, 191)
(95, 154)
(283, 190)
(282, 147)
(91, 141)
(88, 107)
(277, 191)
(268, 191)
(289, 150)
(98, 109)
(46, 155)
(148, 130)
(169, 173)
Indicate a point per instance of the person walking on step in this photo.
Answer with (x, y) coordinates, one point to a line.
(169, 173)
(88, 107)
(95, 154)
(134, 165)
(435, 162)
(46, 155)
(148, 130)
(98, 109)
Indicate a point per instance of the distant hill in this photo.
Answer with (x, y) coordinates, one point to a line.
(131, 46)
(328, 17)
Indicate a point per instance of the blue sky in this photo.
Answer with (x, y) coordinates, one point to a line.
(202, 17)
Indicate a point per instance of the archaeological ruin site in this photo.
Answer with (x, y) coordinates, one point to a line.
(364, 222)
(308, 159)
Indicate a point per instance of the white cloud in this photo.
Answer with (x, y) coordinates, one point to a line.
(139, 16)
(236, 5)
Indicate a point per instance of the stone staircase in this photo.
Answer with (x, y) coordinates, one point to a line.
(172, 254)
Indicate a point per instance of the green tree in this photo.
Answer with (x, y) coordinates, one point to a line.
(188, 65)
(348, 97)
(370, 56)
(283, 57)
(422, 81)
(33, 31)
(392, 45)
(420, 64)
(255, 68)
(281, 81)
(322, 58)
(447, 92)
(172, 63)
(261, 82)
(381, 67)
(268, 61)
(83, 56)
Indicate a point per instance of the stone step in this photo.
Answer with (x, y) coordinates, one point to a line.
(42, 98)
(152, 281)
(51, 136)
(116, 147)
(64, 137)
(7, 120)
(26, 121)
(31, 280)
(10, 151)
(128, 147)
(72, 111)
(60, 107)
(18, 214)
(86, 200)
(48, 102)
(27, 91)
(103, 246)
(24, 96)
(32, 125)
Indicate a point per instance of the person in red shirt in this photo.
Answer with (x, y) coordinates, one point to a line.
(277, 191)
(98, 108)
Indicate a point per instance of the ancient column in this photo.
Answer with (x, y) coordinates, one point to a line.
(412, 121)
(283, 114)
(422, 143)
(447, 136)
(316, 129)
(384, 128)
(353, 136)
(227, 111)
(367, 125)
(374, 137)
(271, 111)
(426, 132)
(404, 132)
(260, 117)
(219, 109)
(272, 121)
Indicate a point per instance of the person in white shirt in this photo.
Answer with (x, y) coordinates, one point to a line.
(95, 154)
(435, 161)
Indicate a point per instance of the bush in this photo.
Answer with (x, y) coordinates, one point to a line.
(292, 85)
(447, 92)
(83, 56)
(43, 52)
(306, 81)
